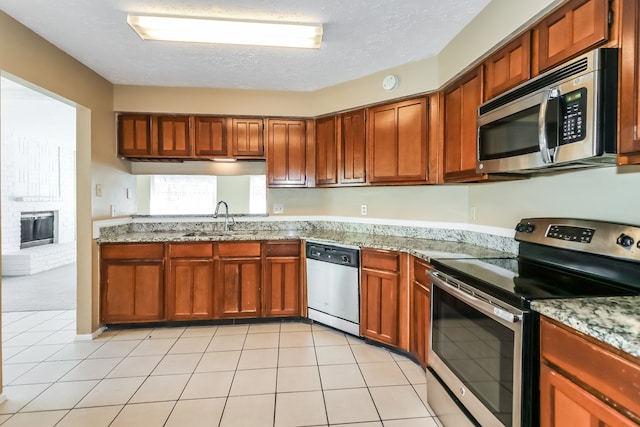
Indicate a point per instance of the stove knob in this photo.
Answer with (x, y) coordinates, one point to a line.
(525, 227)
(529, 228)
(625, 241)
(520, 227)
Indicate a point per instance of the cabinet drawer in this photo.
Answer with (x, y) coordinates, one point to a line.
(381, 260)
(132, 251)
(191, 250)
(600, 369)
(244, 249)
(420, 268)
(285, 248)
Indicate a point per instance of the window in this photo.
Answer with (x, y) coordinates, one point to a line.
(181, 195)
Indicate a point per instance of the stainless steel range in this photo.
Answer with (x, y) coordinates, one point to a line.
(484, 351)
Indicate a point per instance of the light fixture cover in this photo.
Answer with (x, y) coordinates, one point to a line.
(226, 31)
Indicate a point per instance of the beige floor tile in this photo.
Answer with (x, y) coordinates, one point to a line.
(260, 358)
(92, 369)
(300, 378)
(341, 376)
(177, 364)
(350, 406)
(160, 388)
(135, 366)
(265, 340)
(232, 330)
(76, 351)
(112, 391)
(414, 372)
(52, 325)
(46, 372)
(15, 370)
(199, 331)
(264, 328)
(324, 338)
(371, 354)
(100, 416)
(114, 349)
(219, 361)
(300, 409)
(9, 352)
(26, 338)
(196, 413)
(335, 355)
(297, 356)
(320, 327)
(226, 342)
(190, 345)
(261, 414)
(355, 340)
(19, 396)
(296, 339)
(4, 418)
(421, 390)
(164, 333)
(295, 327)
(144, 414)
(62, 395)
(32, 419)
(152, 347)
(371, 424)
(59, 337)
(208, 384)
(132, 334)
(411, 422)
(382, 374)
(398, 402)
(35, 353)
(255, 381)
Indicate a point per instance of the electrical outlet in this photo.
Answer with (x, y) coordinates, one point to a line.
(278, 208)
(114, 212)
(363, 209)
(98, 190)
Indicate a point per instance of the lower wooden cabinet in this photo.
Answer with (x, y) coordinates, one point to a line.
(238, 280)
(132, 283)
(191, 281)
(281, 285)
(420, 309)
(584, 383)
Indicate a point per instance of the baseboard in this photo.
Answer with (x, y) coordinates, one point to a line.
(90, 337)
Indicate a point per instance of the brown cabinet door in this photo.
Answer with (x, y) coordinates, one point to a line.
(574, 28)
(379, 306)
(131, 291)
(134, 135)
(564, 403)
(286, 153)
(326, 151)
(237, 290)
(508, 67)
(397, 142)
(461, 116)
(174, 136)
(281, 292)
(210, 136)
(247, 140)
(352, 148)
(191, 289)
(419, 318)
(629, 131)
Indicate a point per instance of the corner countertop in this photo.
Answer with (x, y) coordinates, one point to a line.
(612, 320)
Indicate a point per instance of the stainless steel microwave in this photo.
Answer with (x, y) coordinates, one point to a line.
(564, 118)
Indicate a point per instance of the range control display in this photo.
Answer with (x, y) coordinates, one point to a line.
(571, 234)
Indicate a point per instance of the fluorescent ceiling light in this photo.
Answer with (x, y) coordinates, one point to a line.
(223, 31)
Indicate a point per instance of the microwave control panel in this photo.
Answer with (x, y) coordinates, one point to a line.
(573, 113)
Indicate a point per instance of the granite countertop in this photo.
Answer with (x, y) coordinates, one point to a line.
(613, 320)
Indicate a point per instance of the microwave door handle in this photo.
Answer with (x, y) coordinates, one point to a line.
(545, 152)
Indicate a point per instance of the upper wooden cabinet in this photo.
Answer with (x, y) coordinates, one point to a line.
(247, 138)
(629, 110)
(174, 136)
(352, 148)
(286, 153)
(134, 135)
(397, 142)
(461, 101)
(508, 67)
(210, 136)
(572, 29)
(326, 151)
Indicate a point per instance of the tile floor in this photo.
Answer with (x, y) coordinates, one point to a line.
(274, 374)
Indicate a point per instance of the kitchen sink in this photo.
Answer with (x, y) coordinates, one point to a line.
(220, 233)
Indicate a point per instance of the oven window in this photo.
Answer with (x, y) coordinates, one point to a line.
(477, 349)
(511, 136)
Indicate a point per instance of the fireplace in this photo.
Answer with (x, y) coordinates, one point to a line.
(36, 228)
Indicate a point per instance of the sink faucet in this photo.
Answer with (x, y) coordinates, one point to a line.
(227, 226)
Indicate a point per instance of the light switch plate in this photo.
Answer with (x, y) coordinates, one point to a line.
(98, 190)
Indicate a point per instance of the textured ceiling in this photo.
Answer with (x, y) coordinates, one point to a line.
(361, 37)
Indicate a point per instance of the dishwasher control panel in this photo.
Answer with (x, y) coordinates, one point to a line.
(349, 257)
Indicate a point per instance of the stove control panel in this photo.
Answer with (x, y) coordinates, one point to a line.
(597, 237)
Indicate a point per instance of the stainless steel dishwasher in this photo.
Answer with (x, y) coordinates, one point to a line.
(333, 286)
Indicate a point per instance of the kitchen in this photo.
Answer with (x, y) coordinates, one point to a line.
(469, 205)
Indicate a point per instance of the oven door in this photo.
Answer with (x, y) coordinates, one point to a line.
(476, 350)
